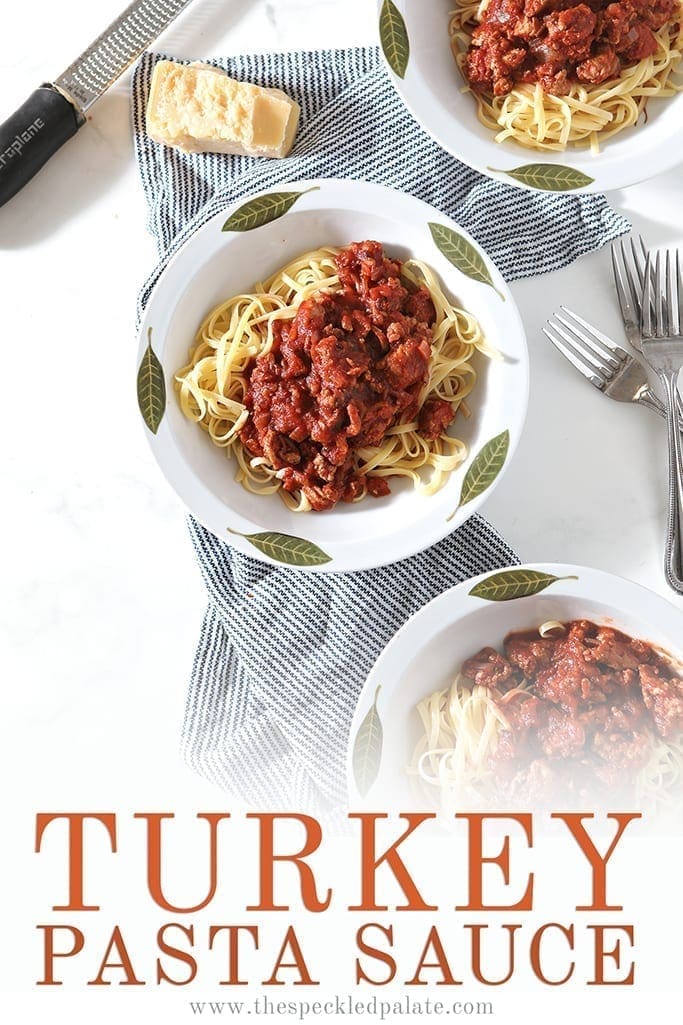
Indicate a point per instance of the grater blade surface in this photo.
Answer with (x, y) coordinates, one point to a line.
(116, 48)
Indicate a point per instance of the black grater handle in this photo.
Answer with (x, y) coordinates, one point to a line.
(32, 134)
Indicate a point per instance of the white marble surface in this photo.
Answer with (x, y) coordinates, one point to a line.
(101, 600)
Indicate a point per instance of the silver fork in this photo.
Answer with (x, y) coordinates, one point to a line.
(629, 263)
(605, 364)
(662, 334)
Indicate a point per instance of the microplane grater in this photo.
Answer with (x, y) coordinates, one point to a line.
(56, 110)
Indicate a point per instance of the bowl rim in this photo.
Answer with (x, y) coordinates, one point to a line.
(608, 172)
(180, 474)
(452, 605)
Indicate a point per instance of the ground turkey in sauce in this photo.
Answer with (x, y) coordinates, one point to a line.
(347, 368)
(594, 700)
(558, 43)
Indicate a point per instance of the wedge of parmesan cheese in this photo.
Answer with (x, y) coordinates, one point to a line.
(200, 109)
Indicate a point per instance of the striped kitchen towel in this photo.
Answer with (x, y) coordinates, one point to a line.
(282, 655)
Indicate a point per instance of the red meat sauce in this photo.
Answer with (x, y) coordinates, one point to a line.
(558, 42)
(347, 368)
(594, 700)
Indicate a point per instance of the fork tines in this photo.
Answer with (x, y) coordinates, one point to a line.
(593, 354)
(662, 313)
(629, 262)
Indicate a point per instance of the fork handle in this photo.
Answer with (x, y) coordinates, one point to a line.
(652, 401)
(674, 543)
(674, 549)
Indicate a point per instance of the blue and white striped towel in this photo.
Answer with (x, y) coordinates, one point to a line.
(283, 655)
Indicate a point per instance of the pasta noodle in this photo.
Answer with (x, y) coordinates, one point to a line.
(212, 386)
(590, 114)
(460, 733)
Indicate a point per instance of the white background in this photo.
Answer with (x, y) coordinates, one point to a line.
(101, 600)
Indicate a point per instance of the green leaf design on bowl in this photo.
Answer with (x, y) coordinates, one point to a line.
(262, 210)
(462, 254)
(548, 177)
(393, 36)
(285, 548)
(367, 749)
(151, 387)
(514, 583)
(484, 469)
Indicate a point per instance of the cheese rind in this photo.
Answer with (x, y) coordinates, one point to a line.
(200, 109)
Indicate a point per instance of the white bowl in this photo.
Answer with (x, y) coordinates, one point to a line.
(427, 651)
(215, 264)
(431, 88)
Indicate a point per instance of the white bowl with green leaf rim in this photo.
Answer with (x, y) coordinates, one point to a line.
(415, 41)
(427, 651)
(245, 243)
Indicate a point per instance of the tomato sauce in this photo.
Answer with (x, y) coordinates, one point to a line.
(594, 699)
(347, 368)
(559, 42)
